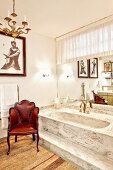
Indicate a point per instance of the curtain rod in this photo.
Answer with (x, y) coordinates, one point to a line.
(85, 25)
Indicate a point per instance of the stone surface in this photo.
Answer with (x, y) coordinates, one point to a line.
(78, 155)
(93, 131)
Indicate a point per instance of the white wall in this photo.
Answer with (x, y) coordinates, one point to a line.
(40, 51)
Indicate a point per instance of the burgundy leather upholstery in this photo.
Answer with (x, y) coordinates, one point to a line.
(98, 99)
(23, 120)
(23, 129)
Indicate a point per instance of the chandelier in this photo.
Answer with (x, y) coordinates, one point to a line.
(10, 27)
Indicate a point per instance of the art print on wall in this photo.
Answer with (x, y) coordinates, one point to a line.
(12, 56)
(83, 67)
(108, 66)
(93, 68)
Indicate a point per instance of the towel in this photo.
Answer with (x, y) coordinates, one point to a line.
(9, 96)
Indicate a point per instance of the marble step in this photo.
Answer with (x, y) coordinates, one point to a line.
(77, 154)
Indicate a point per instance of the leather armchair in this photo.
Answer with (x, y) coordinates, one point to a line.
(23, 120)
(98, 99)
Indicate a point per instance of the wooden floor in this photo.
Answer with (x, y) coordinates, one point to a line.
(54, 163)
(24, 156)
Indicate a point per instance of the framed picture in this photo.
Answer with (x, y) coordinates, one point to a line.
(93, 68)
(12, 56)
(108, 66)
(83, 67)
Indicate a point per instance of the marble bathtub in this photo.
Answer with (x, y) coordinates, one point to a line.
(78, 119)
(91, 133)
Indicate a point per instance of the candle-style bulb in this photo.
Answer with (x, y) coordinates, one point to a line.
(25, 18)
(8, 13)
(28, 25)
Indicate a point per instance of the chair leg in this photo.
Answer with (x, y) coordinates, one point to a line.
(8, 142)
(15, 138)
(37, 142)
(33, 137)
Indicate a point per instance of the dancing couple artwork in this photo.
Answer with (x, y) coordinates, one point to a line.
(12, 56)
(88, 68)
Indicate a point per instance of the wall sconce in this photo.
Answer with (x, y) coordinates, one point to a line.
(44, 71)
(45, 75)
(69, 75)
(67, 71)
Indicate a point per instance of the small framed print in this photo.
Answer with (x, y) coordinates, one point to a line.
(12, 56)
(83, 67)
(108, 66)
(93, 68)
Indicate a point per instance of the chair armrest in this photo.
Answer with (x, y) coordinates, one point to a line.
(13, 118)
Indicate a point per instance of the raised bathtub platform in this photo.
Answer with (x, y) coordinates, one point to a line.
(86, 140)
(78, 155)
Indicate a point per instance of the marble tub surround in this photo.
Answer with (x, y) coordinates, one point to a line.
(105, 109)
(95, 139)
(78, 155)
(46, 107)
(105, 119)
(98, 108)
(72, 118)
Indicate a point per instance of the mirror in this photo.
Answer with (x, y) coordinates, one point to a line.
(105, 91)
(71, 85)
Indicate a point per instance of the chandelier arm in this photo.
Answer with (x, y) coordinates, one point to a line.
(23, 32)
(20, 28)
(11, 26)
(6, 31)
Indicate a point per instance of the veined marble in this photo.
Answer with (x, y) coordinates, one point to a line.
(98, 108)
(93, 132)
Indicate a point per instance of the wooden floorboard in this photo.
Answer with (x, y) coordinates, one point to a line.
(24, 156)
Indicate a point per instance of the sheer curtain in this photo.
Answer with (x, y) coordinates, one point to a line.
(92, 42)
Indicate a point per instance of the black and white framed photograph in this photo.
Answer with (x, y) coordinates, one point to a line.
(12, 56)
(83, 67)
(93, 68)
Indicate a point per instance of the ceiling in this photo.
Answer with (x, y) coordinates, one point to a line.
(56, 17)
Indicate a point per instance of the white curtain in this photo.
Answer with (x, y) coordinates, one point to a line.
(93, 42)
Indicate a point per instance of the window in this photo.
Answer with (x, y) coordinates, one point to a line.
(92, 42)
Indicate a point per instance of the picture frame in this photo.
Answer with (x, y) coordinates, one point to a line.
(93, 68)
(83, 67)
(13, 55)
(108, 66)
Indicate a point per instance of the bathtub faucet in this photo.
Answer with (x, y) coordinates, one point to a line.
(85, 106)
